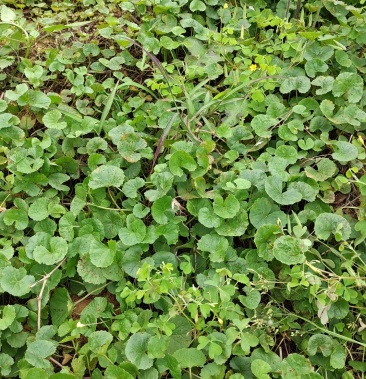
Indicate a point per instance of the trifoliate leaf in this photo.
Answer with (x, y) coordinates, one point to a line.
(330, 223)
(288, 250)
(190, 357)
(137, 350)
(16, 281)
(106, 176)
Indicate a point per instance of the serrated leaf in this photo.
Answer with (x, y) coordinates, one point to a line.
(106, 176)
(130, 187)
(263, 211)
(349, 85)
(262, 124)
(7, 316)
(6, 362)
(134, 233)
(18, 217)
(38, 211)
(52, 120)
(208, 218)
(320, 342)
(216, 245)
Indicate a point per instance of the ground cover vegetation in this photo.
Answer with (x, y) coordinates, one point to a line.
(182, 189)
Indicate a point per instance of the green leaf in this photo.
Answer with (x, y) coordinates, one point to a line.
(162, 211)
(338, 357)
(190, 357)
(106, 176)
(326, 169)
(262, 124)
(197, 5)
(35, 99)
(173, 366)
(263, 211)
(325, 83)
(179, 160)
(38, 351)
(288, 250)
(100, 255)
(18, 217)
(134, 233)
(234, 227)
(344, 151)
(313, 66)
(38, 211)
(60, 306)
(157, 346)
(6, 361)
(320, 342)
(7, 316)
(227, 208)
(52, 120)
(295, 366)
(130, 187)
(52, 254)
(114, 372)
(16, 281)
(252, 299)
(298, 83)
(216, 245)
(261, 369)
(329, 223)
(130, 147)
(208, 218)
(273, 187)
(349, 85)
(136, 350)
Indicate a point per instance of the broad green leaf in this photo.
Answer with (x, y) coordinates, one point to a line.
(7, 15)
(273, 187)
(172, 364)
(295, 366)
(38, 351)
(16, 281)
(18, 217)
(197, 5)
(349, 85)
(288, 250)
(52, 120)
(106, 176)
(89, 272)
(226, 208)
(252, 298)
(262, 124)
(131, 187)
(162, 211)
(338, 357)
(208, 218)
(320, 342)
(6, 361)
(216, 245)
(326, 169)
(52, 254)
(190, 357)
(313, 66)
(329, 223)
(7, 316)
(325, 83)
(263, 211)
(300, 84)
(134, 233)
(234, 227)
(60, 306)
(101, 255)
(137, 350)
(157, 346)
(179, 160)
(261, 369)
(115, 372)
(131, 146)
(264, 239)
(34, 98)
(344, 151)
(38, 210)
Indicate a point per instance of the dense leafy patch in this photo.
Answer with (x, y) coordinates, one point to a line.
(182, 189)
